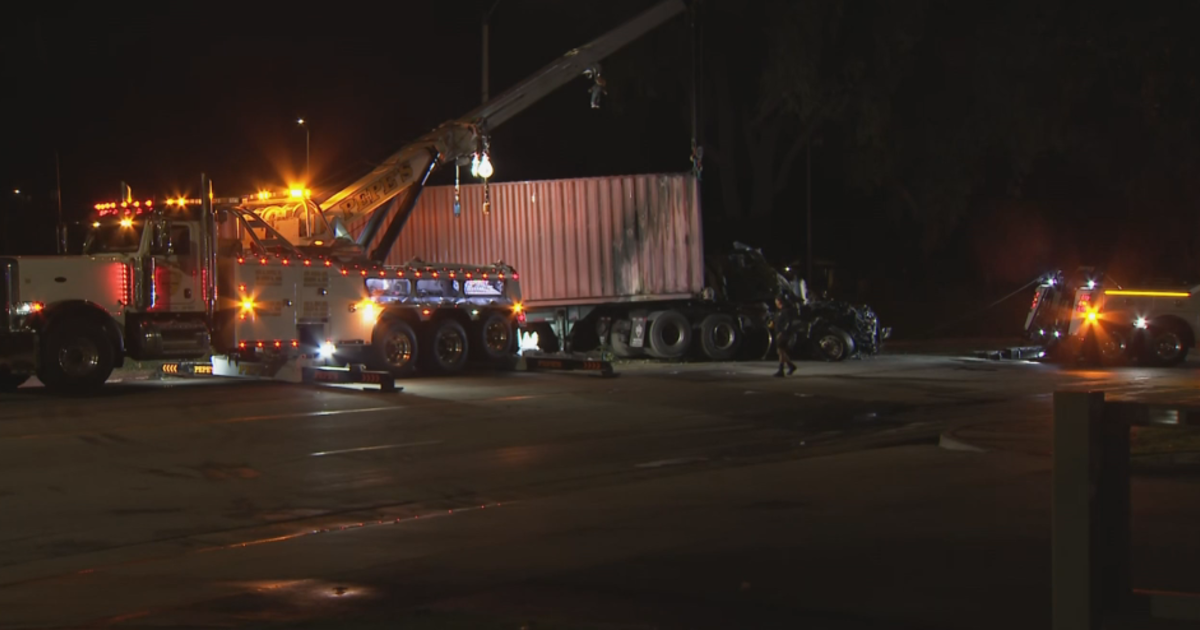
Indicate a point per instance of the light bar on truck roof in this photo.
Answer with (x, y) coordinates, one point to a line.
(1174, 294)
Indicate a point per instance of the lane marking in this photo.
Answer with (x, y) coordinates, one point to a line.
(671, 462)
(363, 449)
(280, 416)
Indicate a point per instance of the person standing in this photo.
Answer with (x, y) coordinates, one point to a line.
(781, 323)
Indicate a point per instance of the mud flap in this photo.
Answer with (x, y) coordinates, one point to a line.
(637, 333)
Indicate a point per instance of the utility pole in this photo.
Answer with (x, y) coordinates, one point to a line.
(487, 19)
(808, 250)
(61, 232)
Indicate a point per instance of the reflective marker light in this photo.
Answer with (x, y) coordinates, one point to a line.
(369, 310)
(1178, 294)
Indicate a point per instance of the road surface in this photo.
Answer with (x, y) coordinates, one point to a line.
(694, 494)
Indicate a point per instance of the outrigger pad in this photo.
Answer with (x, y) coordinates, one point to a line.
(186, 369)
(317, 375)
(535, 363)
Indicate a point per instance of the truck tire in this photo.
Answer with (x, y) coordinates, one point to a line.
(1113, 346)
(446, 347)
(494, 338)
(670, 335)
(76, 357)
(10, 382)
(617, 338)
(394, 348)
(1166, 345)
(833, 344)
(720, 337)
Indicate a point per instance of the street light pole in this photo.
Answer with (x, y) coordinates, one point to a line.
(307, 175)
(307, 152)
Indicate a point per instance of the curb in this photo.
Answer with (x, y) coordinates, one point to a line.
(954, 444)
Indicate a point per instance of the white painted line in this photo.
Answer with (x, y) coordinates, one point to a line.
(363, 449)
(671, 462)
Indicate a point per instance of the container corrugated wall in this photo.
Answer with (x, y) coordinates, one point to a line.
(572, 241)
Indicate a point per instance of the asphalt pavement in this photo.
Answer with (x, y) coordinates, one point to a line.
(679, 495)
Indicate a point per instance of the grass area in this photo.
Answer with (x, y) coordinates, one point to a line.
(1153, 440)
(453, 620)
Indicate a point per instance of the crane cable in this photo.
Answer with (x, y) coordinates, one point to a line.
(1039, 278)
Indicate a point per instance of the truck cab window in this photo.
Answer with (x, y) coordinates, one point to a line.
(181, 240)
(114, 239)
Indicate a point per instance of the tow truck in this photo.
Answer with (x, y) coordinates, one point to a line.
(272, 284)
(1091, 316)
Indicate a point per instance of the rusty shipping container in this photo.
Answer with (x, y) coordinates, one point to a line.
(573, 241)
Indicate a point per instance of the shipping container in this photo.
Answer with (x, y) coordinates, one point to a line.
(604, 262)
(573, 241)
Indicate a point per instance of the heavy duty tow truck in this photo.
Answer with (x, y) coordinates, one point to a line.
(273, 285)
(1090, 316)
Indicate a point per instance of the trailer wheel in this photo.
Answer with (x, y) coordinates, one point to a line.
(76, 357)
(720, 337)
(10, 382)
(494, 337)
(394, 346)
(618, 339)
(833, 344)
(447, 347)
(1166, 346)
(670, 335)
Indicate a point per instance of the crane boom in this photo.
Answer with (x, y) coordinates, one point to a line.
(457, 138)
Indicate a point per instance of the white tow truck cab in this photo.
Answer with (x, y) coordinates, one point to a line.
(209, 280)
(1156, 326)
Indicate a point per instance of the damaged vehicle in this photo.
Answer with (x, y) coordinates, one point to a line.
(834, 330)
(821, 328)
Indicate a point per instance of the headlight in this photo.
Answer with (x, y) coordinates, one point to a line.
(325, 351)
(1140, 323)
(28, 308)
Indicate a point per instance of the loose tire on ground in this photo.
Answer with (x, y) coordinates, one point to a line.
(394, 348)
(76, 357)
(670, 335)
(618, 337)
(446, 347)
(10, 382)
(494, 338)
(720, 337)
(833, 344)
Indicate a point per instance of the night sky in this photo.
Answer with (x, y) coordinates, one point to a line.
(156, 96)
(964, 145)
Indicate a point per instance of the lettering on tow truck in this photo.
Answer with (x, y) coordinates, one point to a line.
(314, 311)
(316, 278)
(270, 308)
(269, 277)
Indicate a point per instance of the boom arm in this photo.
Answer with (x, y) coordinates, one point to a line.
(458, 138)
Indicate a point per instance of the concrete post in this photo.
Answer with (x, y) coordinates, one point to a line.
(1077, 418)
